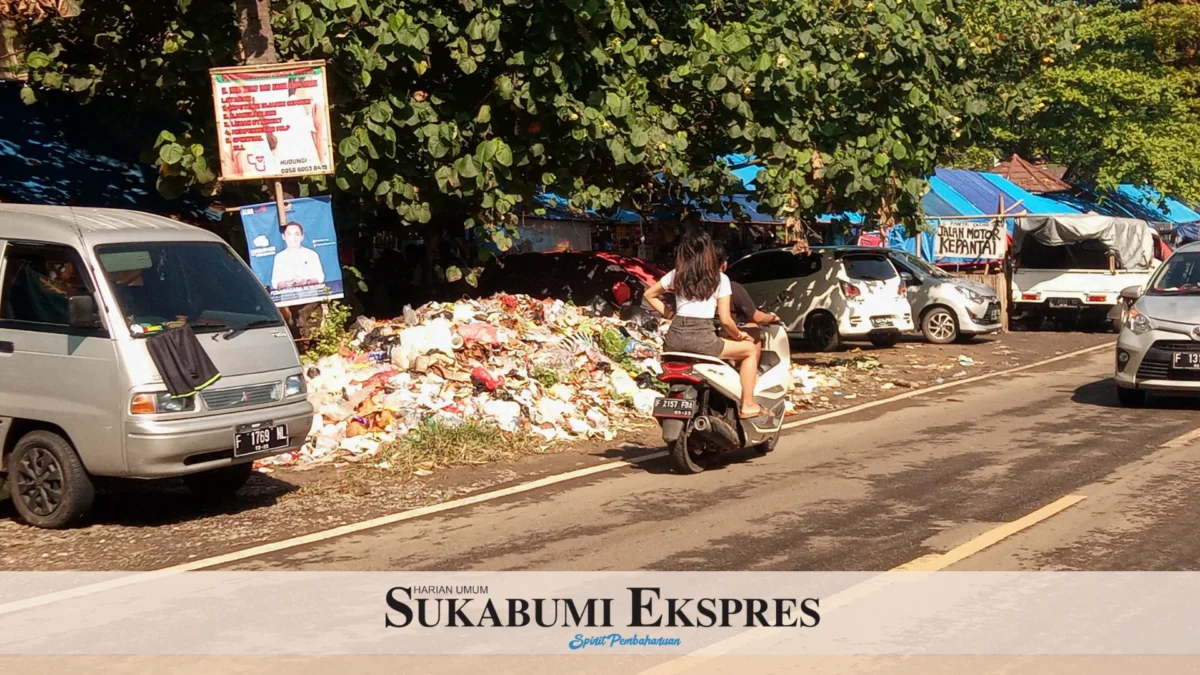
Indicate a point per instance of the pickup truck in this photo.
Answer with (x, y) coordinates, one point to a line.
(1075, 292)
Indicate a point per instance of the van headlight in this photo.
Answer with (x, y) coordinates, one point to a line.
(1137, 323)
(162, 402)
(294, 386)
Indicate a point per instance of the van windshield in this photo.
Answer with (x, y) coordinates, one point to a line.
(161, 284)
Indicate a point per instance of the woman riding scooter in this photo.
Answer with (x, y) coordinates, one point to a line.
(702, 293)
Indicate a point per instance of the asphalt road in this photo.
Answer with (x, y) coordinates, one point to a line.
(868, 491)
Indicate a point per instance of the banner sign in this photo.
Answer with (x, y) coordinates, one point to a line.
(300, 264)
(663, 614)
(976, 240)
(272, 120)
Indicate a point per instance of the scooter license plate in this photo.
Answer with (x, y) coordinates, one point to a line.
(675, 408)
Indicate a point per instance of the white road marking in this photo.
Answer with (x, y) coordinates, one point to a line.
(352, 528)
(939, 387)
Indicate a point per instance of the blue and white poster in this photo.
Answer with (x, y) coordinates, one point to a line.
(298, 264)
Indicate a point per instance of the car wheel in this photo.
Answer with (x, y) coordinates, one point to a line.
(219, 482)
(884, 340)
(1131, 398)
(50, 488)
(821, 332)
(940, 326)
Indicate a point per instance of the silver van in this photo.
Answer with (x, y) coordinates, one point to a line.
(81, 397)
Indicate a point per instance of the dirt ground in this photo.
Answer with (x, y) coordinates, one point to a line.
(147, 525)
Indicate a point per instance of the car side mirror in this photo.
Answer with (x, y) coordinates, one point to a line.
(909, 279)
(1131, 293)
(82, 312)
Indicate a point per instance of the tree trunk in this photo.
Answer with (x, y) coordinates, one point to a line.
(258, 39)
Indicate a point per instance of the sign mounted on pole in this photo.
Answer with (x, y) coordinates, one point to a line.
(982, 241)
(272, 120)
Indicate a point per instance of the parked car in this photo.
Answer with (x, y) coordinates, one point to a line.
(946, 307)
(1158, 349)
(571, 276)
(80, 394)
(1074, 267)
(830, 294)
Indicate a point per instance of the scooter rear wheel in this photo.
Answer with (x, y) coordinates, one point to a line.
(685, 458)
(768, 446)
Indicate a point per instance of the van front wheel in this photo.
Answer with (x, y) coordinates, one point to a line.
(50, 488)
(221, 482)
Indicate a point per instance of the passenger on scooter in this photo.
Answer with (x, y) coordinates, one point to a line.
(741, 304)
(702, 293)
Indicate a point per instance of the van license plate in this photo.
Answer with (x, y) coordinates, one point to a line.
(1186, 360)
(260, 440)
(675, 408)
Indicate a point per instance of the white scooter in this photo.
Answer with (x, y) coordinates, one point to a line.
(699, 415)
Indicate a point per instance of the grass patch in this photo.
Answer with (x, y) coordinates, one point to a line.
(431, 445)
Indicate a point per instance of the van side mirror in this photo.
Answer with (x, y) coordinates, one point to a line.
(1131, 293)
(82, 312)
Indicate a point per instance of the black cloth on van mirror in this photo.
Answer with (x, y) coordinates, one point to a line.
(82, 312)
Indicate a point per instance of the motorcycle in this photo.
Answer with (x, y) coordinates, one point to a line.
(699, 413)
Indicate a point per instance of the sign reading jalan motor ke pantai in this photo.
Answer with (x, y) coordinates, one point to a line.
(272, 120)
(978, 240)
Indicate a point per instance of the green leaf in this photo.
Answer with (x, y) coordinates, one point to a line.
(504, 155)
(370, 178)
(453, 274)
(197, 150)
(638, 138)
(716, 83)
(466, 167)
(731, 100)
(171, 153)
(37, 60)
(620, 16)
(383, 188)
(343, 184)
(164, 136)
(348, 147)
(319, 28)
(881, 160)
(548, 179)
(484, 115)
(358, 165)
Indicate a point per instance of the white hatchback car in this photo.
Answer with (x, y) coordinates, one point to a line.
(1159, 346)
(829, 294)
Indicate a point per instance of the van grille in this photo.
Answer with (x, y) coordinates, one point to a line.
(236, 397)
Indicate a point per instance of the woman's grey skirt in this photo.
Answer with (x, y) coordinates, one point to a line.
(692, 335)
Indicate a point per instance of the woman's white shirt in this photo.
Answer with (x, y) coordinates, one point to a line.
(697, 309)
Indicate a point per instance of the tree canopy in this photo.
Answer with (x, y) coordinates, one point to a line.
(460, 111)
(1125, 107)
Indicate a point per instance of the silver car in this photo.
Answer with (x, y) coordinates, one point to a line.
(1159, 346)
(80, 394)
(946, 307)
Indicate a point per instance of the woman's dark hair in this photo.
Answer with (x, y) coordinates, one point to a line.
(697, 274)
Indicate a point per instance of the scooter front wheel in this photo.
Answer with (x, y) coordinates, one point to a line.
(685, 457)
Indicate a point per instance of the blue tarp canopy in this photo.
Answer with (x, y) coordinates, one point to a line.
(1169, 210)
(985, 190)
(55, 152)
(559, 208)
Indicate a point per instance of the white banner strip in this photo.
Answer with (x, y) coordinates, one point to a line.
(547, 613)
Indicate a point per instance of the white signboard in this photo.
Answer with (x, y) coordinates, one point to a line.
(971, 240)
(272, 120)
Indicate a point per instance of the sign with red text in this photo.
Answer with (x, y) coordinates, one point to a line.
(272, 120)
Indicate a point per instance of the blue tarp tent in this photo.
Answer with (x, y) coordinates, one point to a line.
(1150, 200)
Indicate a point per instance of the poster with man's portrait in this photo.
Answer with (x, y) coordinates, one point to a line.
(298, 263)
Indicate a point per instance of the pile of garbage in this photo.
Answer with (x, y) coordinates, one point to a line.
(542, 367)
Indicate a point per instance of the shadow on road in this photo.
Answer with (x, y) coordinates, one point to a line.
(659, 466)
(167, 502)
(1103, 394)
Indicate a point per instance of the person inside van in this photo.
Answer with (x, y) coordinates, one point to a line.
(702, 293)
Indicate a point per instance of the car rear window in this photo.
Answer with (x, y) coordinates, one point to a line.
(773, 266)
(868, 268)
